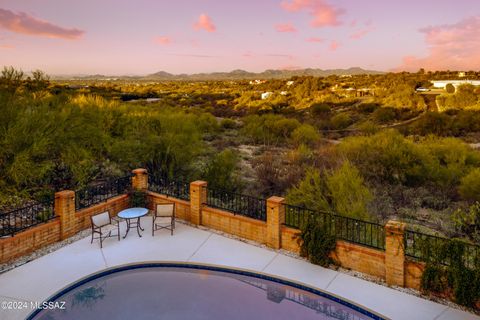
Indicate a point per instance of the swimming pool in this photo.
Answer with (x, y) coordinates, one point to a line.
(185, 291)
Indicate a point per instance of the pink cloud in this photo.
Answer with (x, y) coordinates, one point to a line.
(6, 46)
(248, 55)
(315, 39)
(323, 14)
(334, 45)
(453, 46)
(21, 22)
(163, 40)
(286, 27)
(360, 33)
(205, 22)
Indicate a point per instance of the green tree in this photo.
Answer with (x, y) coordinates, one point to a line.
(342, 191)
(220, 172)
(349, 195)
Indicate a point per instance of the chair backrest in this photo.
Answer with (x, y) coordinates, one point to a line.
(165, 210)
(101, 219)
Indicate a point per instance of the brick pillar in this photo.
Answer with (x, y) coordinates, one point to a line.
(198, 196)
(140, 179)
(65, 209)
(395, 253)
(275, 219)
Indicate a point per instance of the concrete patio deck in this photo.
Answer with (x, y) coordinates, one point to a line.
(41, 278)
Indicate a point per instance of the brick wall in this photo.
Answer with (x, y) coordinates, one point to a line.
(290, 239)
(29, 240)
(113, 206)
(42, 235)
(182, 207)
(237, 225)
(413, 274)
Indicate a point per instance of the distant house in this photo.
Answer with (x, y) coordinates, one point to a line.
(284, 93)
(257, 81)
(461, 74)
(266, 95)
(289, 83)
(442, 84)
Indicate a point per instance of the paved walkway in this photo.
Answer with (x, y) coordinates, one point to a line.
(39, 279)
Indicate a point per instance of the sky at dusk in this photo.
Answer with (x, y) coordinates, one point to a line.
(118, 37)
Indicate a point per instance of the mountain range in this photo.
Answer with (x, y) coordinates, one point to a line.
(232, 75)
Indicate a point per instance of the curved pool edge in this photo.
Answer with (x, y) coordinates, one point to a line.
(212, 267)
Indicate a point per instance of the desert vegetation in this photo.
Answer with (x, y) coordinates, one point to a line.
(364, 146)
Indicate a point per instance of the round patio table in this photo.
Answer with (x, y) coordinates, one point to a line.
(132, 217)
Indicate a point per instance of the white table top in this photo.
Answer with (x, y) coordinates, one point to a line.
(131, 213)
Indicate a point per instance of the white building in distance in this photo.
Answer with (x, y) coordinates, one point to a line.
(441, 84)
(266, 95)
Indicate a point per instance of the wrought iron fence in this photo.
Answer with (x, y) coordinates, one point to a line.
(236, 203)
(430, 248)
(357, 231)
(20, 219)
(173, 188)
(91, 195)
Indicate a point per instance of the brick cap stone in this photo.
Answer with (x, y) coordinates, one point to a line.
(199, 183)
(275, 199)
(395, 227)
(139, 171)
(65, 194)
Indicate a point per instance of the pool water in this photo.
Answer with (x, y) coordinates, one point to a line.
(186, 292)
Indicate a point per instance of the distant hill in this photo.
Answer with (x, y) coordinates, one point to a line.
(232, 75)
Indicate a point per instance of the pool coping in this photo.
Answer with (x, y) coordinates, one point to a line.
(212, 267)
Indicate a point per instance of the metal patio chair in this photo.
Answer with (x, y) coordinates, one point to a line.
(164, 217)
(103, 220)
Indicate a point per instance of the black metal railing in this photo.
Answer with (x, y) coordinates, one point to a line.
(25, 217)
(173, 188)
(430, 248)
(236, 203)
(366, 233)
(91, 195)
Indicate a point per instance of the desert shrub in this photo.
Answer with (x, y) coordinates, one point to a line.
(368, 128)
(450, 88)
(463, 97)
(320, 109)
(460, 275)
(228, 124)
(342, 191)
(470, 186)
(403, 96)
(368, 107)
(349, 195)
(433, 123)
(268, 129)
(341, 121)
(316, 243)
(311, 192)
(384, 114)
(467, 221)
(386, 156)
(220, 172)
(451, 160)
(305, 134)
(274, 174)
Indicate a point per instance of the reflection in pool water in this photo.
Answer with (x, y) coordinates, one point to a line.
(182, 292)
